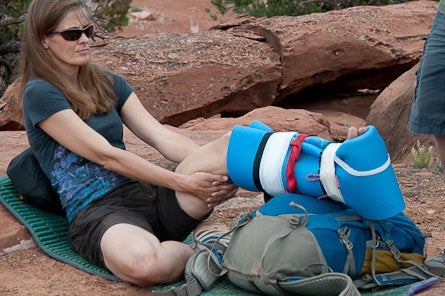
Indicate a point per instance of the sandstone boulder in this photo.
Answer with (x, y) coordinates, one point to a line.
(252, 63)
(390, 113)
(330, 126)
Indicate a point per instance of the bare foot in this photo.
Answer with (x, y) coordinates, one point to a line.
(354, 132)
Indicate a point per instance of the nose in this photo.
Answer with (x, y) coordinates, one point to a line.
(84, 38)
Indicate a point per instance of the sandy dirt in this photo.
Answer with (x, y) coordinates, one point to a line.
(31, 272)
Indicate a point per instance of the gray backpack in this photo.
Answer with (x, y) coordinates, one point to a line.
(298, 245)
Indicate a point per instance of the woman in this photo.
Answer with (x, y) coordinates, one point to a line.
(125, 213)
(428, 109)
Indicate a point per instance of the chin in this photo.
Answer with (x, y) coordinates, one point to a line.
(83, 61)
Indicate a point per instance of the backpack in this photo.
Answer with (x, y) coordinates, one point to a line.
(31, 183)
(299, 245)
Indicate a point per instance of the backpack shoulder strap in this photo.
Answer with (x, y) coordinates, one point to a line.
(328, 284)
(436, 264)
(408, 275)
(398, 277)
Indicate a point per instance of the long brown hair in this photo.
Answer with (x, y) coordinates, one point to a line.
(93, 94)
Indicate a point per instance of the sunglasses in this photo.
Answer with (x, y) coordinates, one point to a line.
(75, 34)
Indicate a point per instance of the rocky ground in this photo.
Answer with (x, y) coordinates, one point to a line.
(28, 271)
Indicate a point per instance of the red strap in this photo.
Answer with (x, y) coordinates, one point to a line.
(294, 155)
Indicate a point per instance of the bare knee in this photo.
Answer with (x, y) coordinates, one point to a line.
(145, 271)
(136, 256)
(142, 269)
(224, 141)
(209, 158)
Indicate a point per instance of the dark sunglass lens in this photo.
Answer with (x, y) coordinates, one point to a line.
(71, 35)
(89, 31)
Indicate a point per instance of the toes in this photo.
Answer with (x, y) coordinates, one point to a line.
(362, 130)
(352, 132)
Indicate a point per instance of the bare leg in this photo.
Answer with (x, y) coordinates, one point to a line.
(212, 158)
(136, 256)
(209, 158)
(441, 145)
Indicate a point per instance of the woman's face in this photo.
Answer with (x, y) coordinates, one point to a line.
(69, 55)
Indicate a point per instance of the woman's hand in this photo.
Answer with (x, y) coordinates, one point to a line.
(214, 189)
(227, 190)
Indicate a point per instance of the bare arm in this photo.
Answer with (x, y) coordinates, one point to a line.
(171, 145)
(74, 134)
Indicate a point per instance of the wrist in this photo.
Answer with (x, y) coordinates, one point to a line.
(180, 182)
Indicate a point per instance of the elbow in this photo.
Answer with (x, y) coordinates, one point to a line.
(107, 158)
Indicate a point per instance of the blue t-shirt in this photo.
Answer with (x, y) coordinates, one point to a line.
(77, 180)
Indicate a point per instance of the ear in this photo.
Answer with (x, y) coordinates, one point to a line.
(45, 43)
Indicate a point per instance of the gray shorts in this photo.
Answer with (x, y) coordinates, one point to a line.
(428, 109)
(152, 208)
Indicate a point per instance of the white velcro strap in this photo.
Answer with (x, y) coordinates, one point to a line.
(272, 162)
(356, 173)
(328, 178)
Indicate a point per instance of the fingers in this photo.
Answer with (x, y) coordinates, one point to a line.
(221, 196)
(222, 191)
(213, 189)
(219, 179)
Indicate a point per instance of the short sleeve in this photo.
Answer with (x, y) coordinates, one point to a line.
(42, 99)
(122, 89)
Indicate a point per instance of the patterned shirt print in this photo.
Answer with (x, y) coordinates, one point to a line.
(79, 181)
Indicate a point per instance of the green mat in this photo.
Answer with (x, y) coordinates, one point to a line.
(49, 232)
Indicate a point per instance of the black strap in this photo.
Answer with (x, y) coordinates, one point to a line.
(257, 161)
